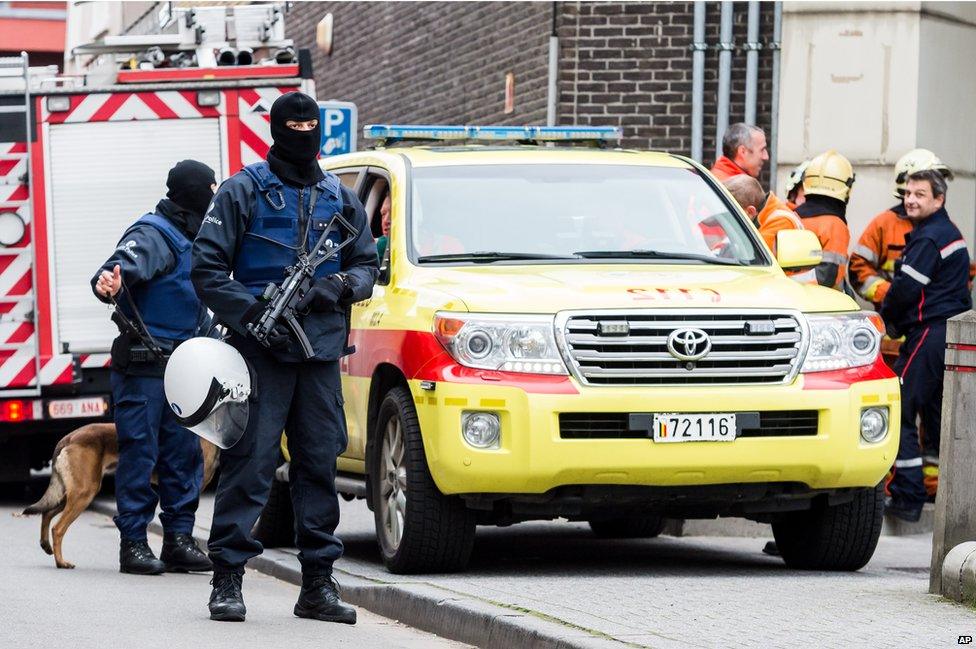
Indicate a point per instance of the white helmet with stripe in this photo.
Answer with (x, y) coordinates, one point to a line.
(207, 384)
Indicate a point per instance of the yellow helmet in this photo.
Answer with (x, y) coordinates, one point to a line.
(829, 174)
(796, 176)
(917, 160)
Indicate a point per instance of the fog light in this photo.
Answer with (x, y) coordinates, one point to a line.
(481, 429)
(874, 424)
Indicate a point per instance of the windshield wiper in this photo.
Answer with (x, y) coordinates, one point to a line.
(657, 254)
(487, 257)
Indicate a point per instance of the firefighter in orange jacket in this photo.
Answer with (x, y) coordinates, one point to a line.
(743, 152)
(873, 258)
(827, 186)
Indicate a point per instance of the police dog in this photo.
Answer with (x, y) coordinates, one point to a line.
(81, 459)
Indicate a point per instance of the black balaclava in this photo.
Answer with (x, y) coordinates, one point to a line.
(293, 155)
(190, 185)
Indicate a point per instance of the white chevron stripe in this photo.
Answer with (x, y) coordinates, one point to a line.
(179, 105)
(16, 172)
(88, 106)
(133, 108)
(7, 329)
(55, 366)
(14, 273)
(13, 366)
(96, 360)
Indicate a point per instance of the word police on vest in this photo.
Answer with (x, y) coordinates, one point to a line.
(207, 384)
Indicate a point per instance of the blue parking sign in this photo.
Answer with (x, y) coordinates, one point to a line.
(339, 120)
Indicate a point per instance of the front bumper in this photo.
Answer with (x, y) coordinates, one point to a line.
(534, 459)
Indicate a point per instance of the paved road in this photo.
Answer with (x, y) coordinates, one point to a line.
(662, 593)
(692, 591)
(95, 606)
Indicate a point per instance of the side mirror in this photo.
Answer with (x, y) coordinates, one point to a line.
(798, 249)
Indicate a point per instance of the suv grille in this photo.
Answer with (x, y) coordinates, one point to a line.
(616, 425)
(631, 348)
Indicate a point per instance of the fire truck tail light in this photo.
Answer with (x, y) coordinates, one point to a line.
(16, 410)
(58, 104)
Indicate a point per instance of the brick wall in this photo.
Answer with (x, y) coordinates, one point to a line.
(630, 65)
(625, 64)
(431, 62)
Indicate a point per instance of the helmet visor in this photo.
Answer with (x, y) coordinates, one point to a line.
(225, 426)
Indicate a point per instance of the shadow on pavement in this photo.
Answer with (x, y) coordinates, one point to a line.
(553, 549)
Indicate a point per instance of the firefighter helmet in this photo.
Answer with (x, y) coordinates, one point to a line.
(917, 160)
(796, 177)
(829, 174)
(207, 384)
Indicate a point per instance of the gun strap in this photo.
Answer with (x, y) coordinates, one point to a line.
(303, 249)
(141, 331)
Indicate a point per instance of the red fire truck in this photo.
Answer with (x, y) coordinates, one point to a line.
(80, 159)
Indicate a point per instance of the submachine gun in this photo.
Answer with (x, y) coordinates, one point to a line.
(282, 301)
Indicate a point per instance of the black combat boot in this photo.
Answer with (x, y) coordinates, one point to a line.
(319, 600)
(136, 558)
(181, 554)
(226, 600)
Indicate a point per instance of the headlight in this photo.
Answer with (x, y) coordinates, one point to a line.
(842, 340)
(511, 343)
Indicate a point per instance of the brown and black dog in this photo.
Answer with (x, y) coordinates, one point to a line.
(81, 459)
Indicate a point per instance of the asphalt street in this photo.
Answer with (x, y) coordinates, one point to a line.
(690, 591)
(661, 593)
(96, 606)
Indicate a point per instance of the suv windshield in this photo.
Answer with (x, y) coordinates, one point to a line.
(578, 213)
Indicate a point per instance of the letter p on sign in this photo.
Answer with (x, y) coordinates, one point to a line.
(339, 121)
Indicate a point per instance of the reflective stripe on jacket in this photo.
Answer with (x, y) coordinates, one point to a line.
(879, 247)
(835, 238)
(931, 280)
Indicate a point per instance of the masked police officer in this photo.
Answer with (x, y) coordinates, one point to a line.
(148, 276)
(259, 220)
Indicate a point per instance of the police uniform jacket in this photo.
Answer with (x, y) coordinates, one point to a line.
(253, 207)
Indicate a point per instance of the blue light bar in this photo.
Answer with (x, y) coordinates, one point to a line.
(517, 133)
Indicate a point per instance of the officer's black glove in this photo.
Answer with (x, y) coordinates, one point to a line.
(325, 294)
(279, 337)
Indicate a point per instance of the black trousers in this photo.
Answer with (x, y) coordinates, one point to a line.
(306, 400)
(921, 366)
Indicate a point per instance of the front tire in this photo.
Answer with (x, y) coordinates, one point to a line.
(838, 537)
(418, 528)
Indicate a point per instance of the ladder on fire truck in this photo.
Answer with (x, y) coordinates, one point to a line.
(15, 197)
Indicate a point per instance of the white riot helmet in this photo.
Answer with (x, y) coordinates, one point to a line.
(207, 385)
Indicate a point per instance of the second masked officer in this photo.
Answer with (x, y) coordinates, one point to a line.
(148, 275)
(254, 228)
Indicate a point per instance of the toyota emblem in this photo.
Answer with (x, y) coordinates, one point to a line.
(689, 344)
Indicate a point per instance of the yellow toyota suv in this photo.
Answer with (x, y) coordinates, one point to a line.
(600, 335)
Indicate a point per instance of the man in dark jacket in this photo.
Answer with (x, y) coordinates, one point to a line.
(930, 285)
(259, 221)
(148, 276)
